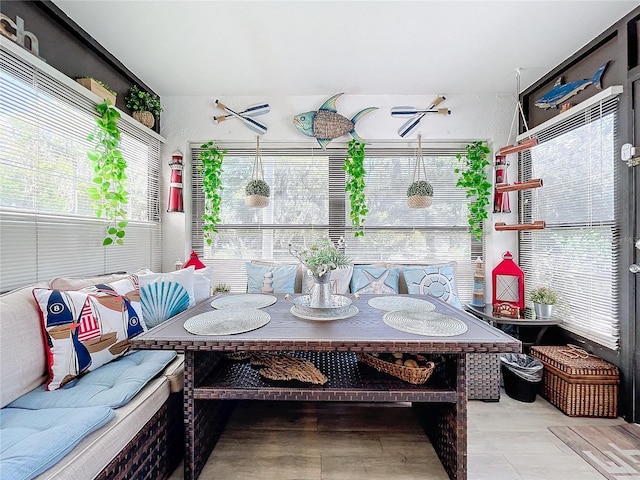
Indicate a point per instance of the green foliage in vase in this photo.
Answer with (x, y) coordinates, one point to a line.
(257, 187)
(323, 256)
(354, 166)
(143, 101)
(222, 287)
(108, 194)
(474, 178)
(543, 295)
(421, 188)
(211, 170)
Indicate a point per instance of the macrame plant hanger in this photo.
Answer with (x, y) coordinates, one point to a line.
(254, 199)
(421, 199)
(502, 186)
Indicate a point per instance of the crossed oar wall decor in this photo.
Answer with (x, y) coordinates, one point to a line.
(244, 116)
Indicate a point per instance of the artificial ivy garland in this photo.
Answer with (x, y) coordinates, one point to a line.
(108, 196)
(354, 166)
(475, 179)
(211, 170)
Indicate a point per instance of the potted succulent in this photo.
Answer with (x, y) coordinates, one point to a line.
(543, 299)
(420, 194)
(257, 193)
(145, 106)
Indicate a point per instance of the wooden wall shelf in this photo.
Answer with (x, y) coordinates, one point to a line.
(505, 187)
(537, 225)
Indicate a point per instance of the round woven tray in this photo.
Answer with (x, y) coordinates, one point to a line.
(256, 201)
(410, 374)
(419, 201)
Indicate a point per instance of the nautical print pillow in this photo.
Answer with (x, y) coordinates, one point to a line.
(88, 328)
(368, 279)
(436, 280)
(164, 295)
(281, 280)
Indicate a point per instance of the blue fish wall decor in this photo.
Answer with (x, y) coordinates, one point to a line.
(326, 123)
(563, 91)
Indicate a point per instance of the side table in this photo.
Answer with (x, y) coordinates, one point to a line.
(486, 313)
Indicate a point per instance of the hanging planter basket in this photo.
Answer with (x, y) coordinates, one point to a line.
(144, 117)
(420, 192)
(257, 190)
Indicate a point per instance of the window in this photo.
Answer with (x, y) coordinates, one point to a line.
(576, 254)
(308, 201)
(48, 225)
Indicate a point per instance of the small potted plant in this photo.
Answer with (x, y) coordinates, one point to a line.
(145, 107)
(420, 194)
(257, 193)
(543, 299)
(99, 88)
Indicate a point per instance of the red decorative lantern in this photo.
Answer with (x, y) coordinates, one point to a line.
(175, 187)
(508, 288)
(195, 261)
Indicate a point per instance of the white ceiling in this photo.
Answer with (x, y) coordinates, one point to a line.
(305, 47)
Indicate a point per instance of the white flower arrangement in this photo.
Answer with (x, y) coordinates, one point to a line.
(322, 257)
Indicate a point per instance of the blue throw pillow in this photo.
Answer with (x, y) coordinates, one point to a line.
(435, 280)
(375, 280)
(284, 277)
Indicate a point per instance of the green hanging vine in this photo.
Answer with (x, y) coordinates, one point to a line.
(211, 170)
(108, 195)
(354, 166)
(474, 178)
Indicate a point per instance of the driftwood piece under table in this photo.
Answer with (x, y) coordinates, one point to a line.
(214, 382)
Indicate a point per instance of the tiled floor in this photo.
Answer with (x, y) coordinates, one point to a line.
(508, 440)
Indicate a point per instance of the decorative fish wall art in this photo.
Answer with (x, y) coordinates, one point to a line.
(563, 91)
(326, 123)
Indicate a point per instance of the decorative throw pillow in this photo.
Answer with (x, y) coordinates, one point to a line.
(435, 280)
(164, 295)
(202, 284)
(340, 279)
(283, 280)
(88, 328)
(369, 279)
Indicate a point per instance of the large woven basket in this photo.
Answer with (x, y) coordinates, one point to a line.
(144, 117)
(578, 383)
(256, 201)
(419, 201)
(409, 374)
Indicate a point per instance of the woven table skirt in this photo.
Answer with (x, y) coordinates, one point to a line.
(483, 376)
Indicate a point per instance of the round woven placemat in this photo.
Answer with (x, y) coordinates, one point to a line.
(432, 324)
(244, 300)
(227, 321)
(389, 303)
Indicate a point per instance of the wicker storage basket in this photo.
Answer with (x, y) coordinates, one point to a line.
(578, 383)
(409, 374)
(144, 117)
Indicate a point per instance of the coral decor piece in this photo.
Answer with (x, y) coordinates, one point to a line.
(326, 123)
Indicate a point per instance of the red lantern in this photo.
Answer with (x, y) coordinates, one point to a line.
(508, 288)
(195, 261)
(175, 187)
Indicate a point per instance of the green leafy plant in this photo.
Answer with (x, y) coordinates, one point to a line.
(222, 287)
(354, 166)
(474, 178)
(108, 194)
(211, 170)
(257, 187)
(421, 188)
(322, 256)
(543, 295)
(143, 101)
(102, 84)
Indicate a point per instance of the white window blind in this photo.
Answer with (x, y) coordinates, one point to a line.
(308, 201)
(47, 223)
(577, 253)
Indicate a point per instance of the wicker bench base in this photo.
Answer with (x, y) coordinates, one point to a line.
(483, 376)
(155, 452)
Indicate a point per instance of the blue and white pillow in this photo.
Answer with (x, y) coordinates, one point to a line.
(284, 277)
(436, 280)
(164, 295)
(368, 279)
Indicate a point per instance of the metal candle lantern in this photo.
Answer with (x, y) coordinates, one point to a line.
(508, 288)
(175, 187)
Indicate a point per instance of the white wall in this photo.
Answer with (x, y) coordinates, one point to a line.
(473, 117)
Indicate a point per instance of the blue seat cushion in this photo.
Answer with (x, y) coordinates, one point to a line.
(111, 385)
(31, 441)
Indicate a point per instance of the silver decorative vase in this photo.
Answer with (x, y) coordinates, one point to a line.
(542, 310)
(320, 294)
